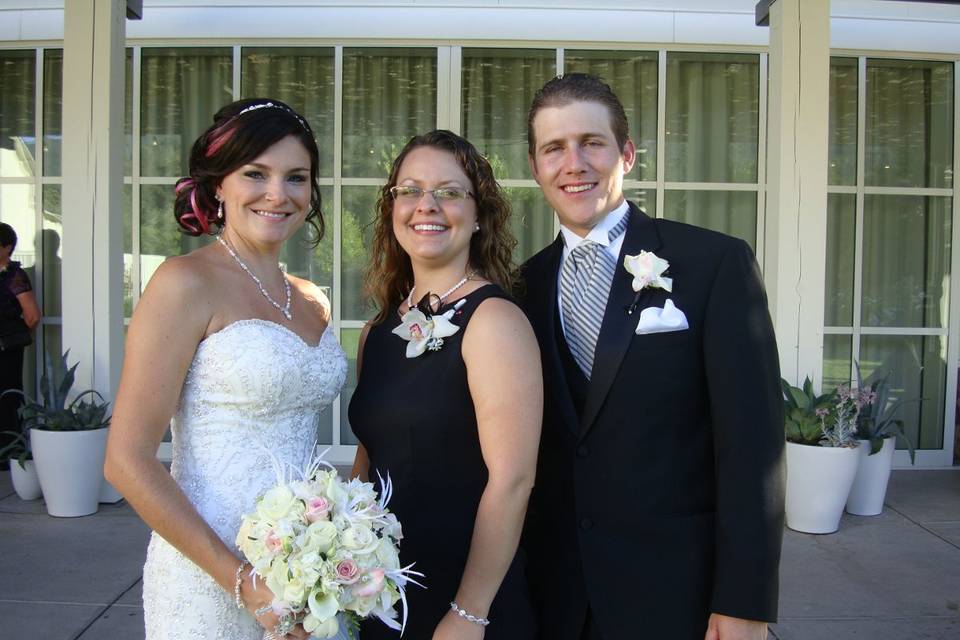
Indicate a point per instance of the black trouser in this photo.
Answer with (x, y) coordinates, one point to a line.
(11, 377)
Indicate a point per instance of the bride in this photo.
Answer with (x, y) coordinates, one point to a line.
(242, 358)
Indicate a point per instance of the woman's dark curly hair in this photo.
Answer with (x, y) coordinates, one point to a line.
(390, 274)
(241, 131)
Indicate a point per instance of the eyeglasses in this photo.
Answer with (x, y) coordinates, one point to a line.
(410, 193)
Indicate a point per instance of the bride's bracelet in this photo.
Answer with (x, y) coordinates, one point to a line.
(469, 617)
(238, 579)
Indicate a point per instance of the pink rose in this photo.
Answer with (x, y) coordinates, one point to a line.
(348, 571)
(370, 584)
(273, 542)
(318, 509)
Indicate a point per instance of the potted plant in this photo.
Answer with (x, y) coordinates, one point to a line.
(69, 442)
(23, 472)
(821, 454)
(877, 431)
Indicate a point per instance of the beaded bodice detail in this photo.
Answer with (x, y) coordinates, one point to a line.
(254, 392)
(254, 388)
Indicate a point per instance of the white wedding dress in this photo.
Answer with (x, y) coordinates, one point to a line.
(253, 388)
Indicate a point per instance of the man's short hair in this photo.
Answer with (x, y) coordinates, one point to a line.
(579, 87)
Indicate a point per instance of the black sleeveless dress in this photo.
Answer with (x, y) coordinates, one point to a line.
(416, 419)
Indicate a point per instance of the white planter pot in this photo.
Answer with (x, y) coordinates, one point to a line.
(25, 481)
(818, 483)
(108, 494)
(70, 467)
(870, 484)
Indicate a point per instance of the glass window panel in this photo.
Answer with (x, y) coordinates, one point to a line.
(128, 283)
(712, 127)
(633, 77)
(356, 234)
(909, 124)
(128, 113)
(906, 261)
(842, 169)
(52, 250)
(389, 95)
(646, 199)
(17, 104)
(531, 221)
(53, 346)
(18, 209)
(349, 340)
(302, 259)
(919, 371)
(731, 212)
(498, 87)
(180, 90)
(837, 356)
(52, 111)
(841, 241)
(303, 77)
(160, 236)
(30, 364)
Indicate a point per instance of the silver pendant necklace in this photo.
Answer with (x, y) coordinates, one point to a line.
(285, 309)
(442, 297)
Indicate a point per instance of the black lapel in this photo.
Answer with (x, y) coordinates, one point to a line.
(542, 307)
(618, 325)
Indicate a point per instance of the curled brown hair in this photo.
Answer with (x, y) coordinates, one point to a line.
(390, 274)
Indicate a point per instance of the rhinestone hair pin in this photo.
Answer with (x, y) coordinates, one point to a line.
(270, 105)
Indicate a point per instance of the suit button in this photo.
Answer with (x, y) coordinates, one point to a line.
(583, 451)
(586, 524)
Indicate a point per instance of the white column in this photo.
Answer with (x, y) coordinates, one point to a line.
(92, 283)
(796, 223)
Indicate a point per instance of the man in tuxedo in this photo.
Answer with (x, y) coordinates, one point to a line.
(658, 507)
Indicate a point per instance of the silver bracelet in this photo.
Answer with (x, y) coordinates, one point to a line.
(469, 617)
(238, 578)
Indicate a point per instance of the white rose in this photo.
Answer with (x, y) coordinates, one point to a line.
(360, 540)
(276, 503)
(319, 537)
(387, 555)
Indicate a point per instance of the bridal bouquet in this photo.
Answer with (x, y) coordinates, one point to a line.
(326, 546)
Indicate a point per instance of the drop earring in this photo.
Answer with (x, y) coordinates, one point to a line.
(220, 209)
(476, 227)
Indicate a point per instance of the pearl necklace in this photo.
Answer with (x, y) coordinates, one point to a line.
(443, 297)
(285, 309)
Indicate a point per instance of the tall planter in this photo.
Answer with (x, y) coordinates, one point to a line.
(25, 481)
(70, 468)
(818, 483)
(870, 484)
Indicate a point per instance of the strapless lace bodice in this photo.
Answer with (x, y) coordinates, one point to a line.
(254, 388)
(253, 392)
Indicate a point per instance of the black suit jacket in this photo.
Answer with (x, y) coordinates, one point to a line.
(662, 501)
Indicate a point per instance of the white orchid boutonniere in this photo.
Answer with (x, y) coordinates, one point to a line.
(647, 269)
(425, 331)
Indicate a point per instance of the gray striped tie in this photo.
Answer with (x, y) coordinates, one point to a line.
(584, 288)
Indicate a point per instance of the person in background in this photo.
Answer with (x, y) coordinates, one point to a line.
(19, 315)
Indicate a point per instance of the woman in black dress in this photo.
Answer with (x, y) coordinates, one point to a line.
(449, 397)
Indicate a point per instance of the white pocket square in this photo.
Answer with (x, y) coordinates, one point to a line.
(657, 320)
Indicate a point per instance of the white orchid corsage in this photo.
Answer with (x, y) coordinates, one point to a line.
(424, 330)
(647, 269)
